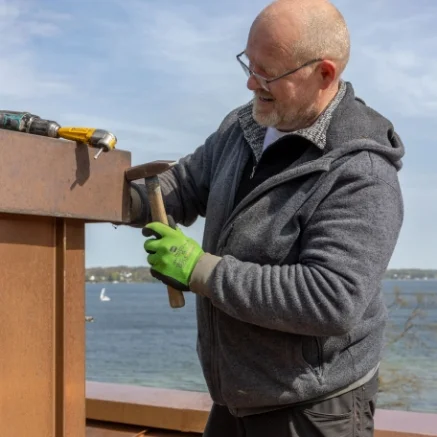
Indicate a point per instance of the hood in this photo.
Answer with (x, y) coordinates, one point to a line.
(355, 126)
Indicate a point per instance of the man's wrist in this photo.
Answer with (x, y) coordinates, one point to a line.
(139, 207)
(200, 279)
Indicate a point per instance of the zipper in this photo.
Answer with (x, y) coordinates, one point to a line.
(225, 242)
(320, 356)
(214, 367)
(253, 172)
(304, 169)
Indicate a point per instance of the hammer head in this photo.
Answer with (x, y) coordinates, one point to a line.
(147, 170)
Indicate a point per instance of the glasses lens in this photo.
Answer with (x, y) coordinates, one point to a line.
(244, 62)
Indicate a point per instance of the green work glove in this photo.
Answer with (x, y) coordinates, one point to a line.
(172, 255)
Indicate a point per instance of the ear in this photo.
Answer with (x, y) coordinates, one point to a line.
(328, 73)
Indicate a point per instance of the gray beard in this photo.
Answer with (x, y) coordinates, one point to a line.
(300, 120)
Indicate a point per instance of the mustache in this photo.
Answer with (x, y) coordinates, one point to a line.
(263, 95)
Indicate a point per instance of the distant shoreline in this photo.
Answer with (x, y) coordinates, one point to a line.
(126, 274)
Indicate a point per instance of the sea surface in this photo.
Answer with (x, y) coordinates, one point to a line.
(136, 338)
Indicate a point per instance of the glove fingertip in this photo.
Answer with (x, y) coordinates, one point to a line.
(151, 230)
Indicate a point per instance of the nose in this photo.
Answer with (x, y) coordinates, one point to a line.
(252, 83)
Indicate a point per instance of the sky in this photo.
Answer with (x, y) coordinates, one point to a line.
(162, 74)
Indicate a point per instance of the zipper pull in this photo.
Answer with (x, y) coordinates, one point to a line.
(253, 172)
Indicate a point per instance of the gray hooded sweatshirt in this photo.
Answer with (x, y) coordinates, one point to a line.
(289, 301)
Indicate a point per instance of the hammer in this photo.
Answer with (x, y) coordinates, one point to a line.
(150, 172)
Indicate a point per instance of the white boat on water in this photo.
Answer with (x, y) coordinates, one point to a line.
(103, 296)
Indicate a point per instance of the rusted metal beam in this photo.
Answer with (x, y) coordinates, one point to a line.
(42, 329)
(49, 189)
(188, 411)
(105, 429)
(405, 424)
(59, 178)
(150, 407)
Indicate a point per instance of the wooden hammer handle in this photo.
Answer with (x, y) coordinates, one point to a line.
(154, 195)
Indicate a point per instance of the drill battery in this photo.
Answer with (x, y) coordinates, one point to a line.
(27, 122)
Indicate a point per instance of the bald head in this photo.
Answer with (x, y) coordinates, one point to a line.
(305, 30)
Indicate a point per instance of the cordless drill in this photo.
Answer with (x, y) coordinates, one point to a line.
(33, 124)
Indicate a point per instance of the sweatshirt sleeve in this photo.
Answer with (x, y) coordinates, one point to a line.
(184, 188)
(345, 249)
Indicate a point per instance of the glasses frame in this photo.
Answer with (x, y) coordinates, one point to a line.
(264, 81)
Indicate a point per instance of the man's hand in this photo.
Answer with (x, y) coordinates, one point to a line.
(172, 255)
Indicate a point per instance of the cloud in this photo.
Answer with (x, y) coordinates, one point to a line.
(146, 142)
(417, 241)
(190, 51)
(120, 125)
(395, 56)
(402, 76)
(175, 71)
(21, 23)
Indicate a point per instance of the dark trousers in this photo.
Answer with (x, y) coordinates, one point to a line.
(348, 415)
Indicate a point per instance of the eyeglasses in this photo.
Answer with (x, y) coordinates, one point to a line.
(263, 81)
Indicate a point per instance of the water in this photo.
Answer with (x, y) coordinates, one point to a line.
(136, 338)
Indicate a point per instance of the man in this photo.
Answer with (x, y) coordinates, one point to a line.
(302, 208)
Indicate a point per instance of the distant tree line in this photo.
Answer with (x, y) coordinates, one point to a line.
(119, 274)
(142, 274)
(410, 274)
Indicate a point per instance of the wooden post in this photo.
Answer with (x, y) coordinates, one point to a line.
(49, 189)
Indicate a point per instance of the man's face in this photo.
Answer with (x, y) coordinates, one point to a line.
(290, 102)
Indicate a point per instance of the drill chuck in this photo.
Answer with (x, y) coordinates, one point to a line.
(103, 139)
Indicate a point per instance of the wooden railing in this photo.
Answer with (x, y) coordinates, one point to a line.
(115, 410)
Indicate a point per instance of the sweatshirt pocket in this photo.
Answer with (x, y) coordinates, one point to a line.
(312, 354)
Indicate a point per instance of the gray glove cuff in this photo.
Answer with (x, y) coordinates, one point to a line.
(139, 205)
